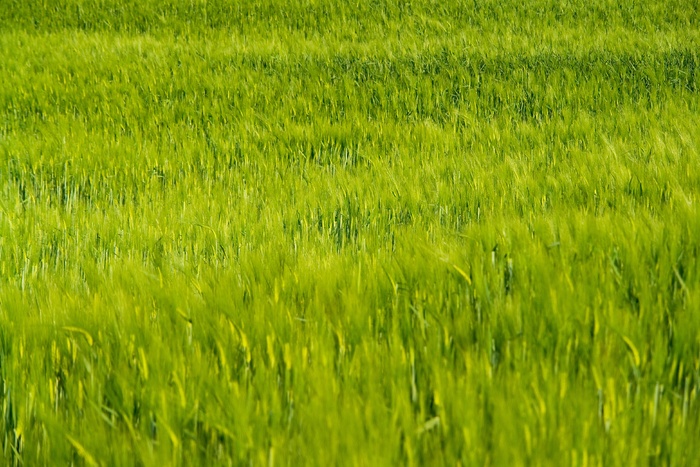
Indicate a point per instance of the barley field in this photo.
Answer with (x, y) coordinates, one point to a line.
(364, 233)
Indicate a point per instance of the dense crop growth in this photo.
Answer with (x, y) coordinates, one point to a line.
(349, 233)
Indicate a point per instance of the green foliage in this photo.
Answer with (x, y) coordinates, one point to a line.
(361, 233)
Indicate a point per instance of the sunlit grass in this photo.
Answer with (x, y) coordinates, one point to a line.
(372, 234)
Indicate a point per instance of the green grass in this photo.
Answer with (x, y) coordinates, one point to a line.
(362, 233)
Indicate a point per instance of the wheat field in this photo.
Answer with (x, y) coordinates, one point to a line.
(378, 232)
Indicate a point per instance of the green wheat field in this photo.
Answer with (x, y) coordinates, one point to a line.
(363, 233)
